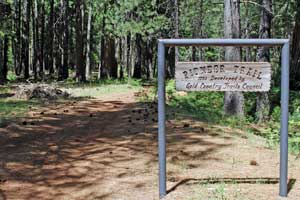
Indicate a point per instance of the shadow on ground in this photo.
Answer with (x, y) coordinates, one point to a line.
(76, 150)
(260, 180)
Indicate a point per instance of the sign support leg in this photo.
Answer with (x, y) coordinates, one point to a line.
(284, 120)
(161, 120)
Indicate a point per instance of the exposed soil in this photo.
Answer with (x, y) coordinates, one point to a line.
(106, 149)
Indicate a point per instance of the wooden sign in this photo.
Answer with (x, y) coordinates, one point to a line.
(223, 76)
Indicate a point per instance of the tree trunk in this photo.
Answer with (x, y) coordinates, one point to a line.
(3, 59)
(18, 38)
(197, 31)
(26, 37)
(35, 31)
(104, 73)
(149, 59)
(51, 39)
(88, 42)
(295, 51)
(65, 64)
(42, 40)
(128, 50)
(176, 18)
(80, 71)
(120, 59)
(138, 63)
(263, 55)
(247, 31)
(110, 64)
(233, 101)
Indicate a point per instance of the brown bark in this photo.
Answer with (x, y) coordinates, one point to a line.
(80, 70)
(110, 62)
(138, 63)
(263, 55)
(26, 38)
(233, 101)
(197, 31)
(51, 39)
(88, 42)
(3, 59)
(42, 40)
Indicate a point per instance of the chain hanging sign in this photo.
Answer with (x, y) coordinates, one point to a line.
(223, 76)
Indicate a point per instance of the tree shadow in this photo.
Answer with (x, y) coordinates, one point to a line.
(260, 180)
(75, 146)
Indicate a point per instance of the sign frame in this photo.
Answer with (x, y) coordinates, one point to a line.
(285, 65)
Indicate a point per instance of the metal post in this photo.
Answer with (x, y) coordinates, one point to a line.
(284, 120)
(161, 120)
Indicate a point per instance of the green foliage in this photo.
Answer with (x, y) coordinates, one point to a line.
(11, 77)
(13, 109)
(208, 107)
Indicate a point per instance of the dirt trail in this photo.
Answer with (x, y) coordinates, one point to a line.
(107, 149)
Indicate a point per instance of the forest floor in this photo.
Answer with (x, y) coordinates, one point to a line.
(106, 148)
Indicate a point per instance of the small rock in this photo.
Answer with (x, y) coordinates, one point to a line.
(186, 125)
(172, 179)
(253, 163)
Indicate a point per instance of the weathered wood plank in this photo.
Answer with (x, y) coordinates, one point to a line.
(223, 76)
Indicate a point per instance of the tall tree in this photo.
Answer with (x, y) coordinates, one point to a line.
(110, 62)
(50, 56)
(42, 39)
(3, 59)
(63, 71)
(35, 31)
(233, 101)
(138, 62)
(80, 70)
(176, 27)
(26, 38)
(88, 42)
(18, 37)
(66, 24)
(263, 55)
(197, 29)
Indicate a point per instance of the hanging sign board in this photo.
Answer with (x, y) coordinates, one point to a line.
(223, 76)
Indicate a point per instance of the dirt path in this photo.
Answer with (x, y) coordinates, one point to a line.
(107, 149)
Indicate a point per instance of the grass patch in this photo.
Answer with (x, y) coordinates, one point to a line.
(14, 109)
(11, 109)
(208, 107)
(98, 91)
(102, 87)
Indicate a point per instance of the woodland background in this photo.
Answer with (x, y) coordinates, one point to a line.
(90, 41)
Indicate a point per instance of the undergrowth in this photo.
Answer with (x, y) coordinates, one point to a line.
(208, 107)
